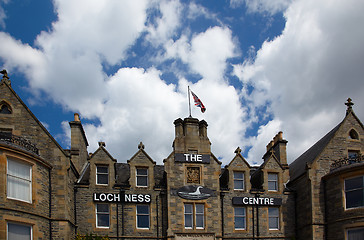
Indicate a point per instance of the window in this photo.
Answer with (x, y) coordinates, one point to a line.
(273, 214)
(142, 213)
(142, 177)
(240, 218)
(19, 231)
(355, 234)
(194, 216)
(102, 175)
(19, 181)
(354, 192)
(5, 108)
(272, 181)
(353, 134)
(239, 180)
(353, 154)
(102, 215)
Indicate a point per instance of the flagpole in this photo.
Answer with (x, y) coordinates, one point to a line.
(189, 101)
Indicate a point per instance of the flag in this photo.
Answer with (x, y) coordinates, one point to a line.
(198, 102)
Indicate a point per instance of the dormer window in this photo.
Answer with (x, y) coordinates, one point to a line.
(142, 177)
(272, 181)
(102, 175)
(353, 135)
(238, 180)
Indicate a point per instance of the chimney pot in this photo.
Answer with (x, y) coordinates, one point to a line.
(77, 117)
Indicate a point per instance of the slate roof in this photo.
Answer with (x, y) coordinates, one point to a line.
(298, 167)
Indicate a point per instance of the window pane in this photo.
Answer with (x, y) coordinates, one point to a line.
(356, 234)
(272, 176)
(142, 171)
(19, 232)
(238, 175)
(239, 211)
(19, 169)
(142, 209)
(272, 186)
(188, 220)
(200, 208)
(102, 179)
(354, 183)
(102, 169)
(354, 198)
(102, 208)
(103, 220)
(142, 181)
(199, 221)
(188, 208)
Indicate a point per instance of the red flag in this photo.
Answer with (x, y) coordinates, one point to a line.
(198, 102)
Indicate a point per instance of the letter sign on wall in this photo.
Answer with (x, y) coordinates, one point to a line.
(192, 158)
(263, 201)
(116, 197)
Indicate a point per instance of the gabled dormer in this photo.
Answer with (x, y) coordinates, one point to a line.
(102, 168)
(236, 175)
(273, 174)
(141, 170)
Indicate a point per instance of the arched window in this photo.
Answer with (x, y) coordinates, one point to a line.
(353, 134)
(5, 108)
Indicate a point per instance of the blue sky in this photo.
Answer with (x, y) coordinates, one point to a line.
(259, 67)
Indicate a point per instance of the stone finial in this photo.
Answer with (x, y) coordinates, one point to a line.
(5, 76)
(349, 104)
(238, 151)
(77, 117)
(141, 145)
(102, 144)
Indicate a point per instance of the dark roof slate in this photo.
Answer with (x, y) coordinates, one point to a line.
(298, 167)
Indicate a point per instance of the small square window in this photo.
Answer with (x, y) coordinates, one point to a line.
(102, 175)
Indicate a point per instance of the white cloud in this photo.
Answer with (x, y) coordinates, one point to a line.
(165, 26)
(262, 6)
(306, 74)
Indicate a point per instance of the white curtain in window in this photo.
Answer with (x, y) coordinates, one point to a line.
(19, 232)
(19, 180)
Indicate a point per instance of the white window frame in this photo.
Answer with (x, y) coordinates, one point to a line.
(101, 173)
(194, 215)
(275, 181)
(98, 213)
(239, 217)
(19, 224)
(142, 214)
(362, 189)
(19, 178)
(275, 217)
(239, 180)
(146, 176)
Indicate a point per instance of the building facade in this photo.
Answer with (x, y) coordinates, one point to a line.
(47, 192)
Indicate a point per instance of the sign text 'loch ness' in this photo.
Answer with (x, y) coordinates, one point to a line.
(116, 197)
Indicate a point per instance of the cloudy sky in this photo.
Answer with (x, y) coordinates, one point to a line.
(259, 67)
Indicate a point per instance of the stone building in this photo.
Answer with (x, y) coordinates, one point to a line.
(47, 192)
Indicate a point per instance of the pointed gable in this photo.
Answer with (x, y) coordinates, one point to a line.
(342, 131)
